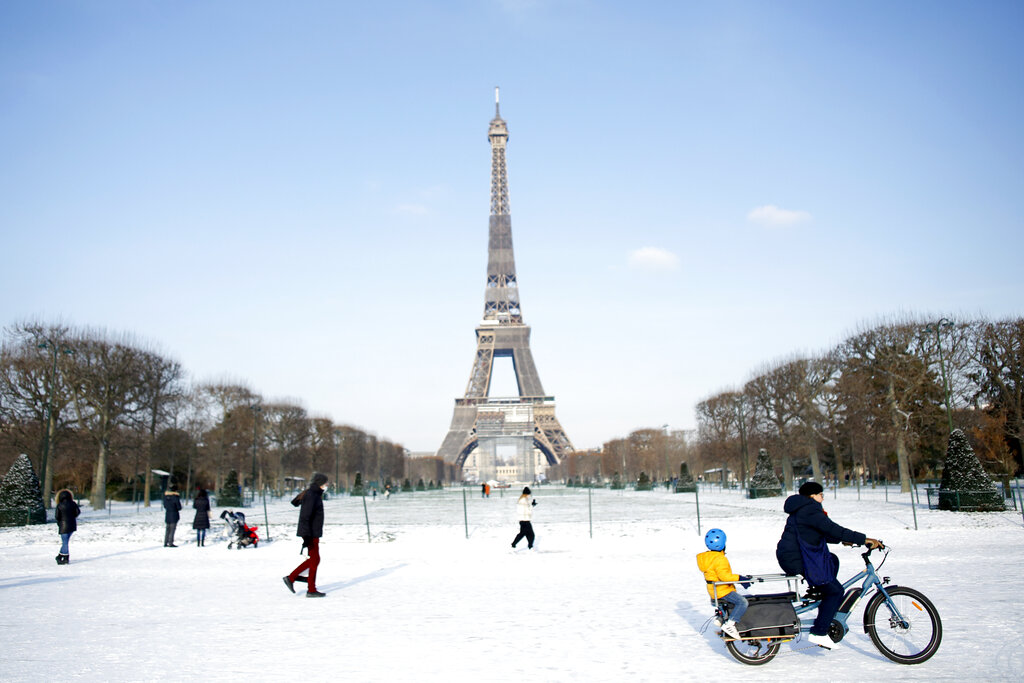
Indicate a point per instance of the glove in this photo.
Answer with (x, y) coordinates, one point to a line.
(872, 543)
(745, 580)
(534, 503)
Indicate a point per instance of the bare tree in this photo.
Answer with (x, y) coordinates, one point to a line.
(161, 387)
(106, 383)
(33, 391)
(899, 381)
(286, 430)
(998, 356)
(776, 396)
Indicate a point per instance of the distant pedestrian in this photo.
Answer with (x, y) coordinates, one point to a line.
(483, 490)
(524, 506)
(202, 519)
(172, 509)
(311, 528)
(67, 514)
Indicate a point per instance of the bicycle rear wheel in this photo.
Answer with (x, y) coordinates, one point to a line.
(909, 637)
(753, 652)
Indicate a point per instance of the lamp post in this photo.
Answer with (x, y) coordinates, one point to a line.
(937, 329)
(738, 402)
(668, 472)
(256, 408)
(50, 426)
(337, 448)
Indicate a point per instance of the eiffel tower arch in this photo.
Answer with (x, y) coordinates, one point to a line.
(501, 435)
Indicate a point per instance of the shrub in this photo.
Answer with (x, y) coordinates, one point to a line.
(965, 483)
(21, 500)
(230, 494)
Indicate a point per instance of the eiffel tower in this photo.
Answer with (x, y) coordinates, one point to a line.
(492, 432)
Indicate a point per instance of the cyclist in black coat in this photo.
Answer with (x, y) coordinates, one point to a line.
(808, 520)
(311, 528)
(67, 516)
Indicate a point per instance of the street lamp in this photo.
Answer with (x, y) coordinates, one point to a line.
(337, 439)
(44, 463)
(668, 472)
(937, 329)
(738, 402)
(256, 408)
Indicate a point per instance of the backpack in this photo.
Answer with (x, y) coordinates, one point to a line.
(819, 564)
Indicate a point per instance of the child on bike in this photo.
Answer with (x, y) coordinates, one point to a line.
(716, 568)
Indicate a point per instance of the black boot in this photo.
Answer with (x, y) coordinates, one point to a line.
(59, 558)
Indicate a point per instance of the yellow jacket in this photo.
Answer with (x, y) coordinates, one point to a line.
(716, 568)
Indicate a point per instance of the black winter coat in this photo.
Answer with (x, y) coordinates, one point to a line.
(202, 519)
(172, 504)
(67, 512)
(808, 518)
(311, 514)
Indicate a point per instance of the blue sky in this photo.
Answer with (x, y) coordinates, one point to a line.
(295, 195)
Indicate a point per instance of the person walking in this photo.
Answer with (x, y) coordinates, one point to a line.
(67, 516)
(803, 550)
(172, 510)
(201, 522)
(524, 508)
(311, 528)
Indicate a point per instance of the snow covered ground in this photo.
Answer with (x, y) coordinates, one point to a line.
(424, 602)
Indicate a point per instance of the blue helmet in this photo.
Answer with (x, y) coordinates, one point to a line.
(715, 539)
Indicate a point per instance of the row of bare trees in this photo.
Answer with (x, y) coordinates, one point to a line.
(97, 412)
(654, 452)
(880, 404)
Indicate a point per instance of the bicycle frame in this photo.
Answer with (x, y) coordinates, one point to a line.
(851, 596)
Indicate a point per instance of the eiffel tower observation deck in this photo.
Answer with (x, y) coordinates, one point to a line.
(503, 437)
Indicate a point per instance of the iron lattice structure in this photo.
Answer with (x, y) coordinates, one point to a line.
(502, 333)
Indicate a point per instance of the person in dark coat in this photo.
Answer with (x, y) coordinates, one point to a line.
(202, 519)
(311, 528)
(172, 509)
(67, 524)
(808, 522)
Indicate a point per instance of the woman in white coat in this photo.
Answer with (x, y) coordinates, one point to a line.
(525, 508)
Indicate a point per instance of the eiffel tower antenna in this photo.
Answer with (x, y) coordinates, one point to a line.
(518, 426)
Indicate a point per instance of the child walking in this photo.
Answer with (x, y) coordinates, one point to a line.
(716, 568)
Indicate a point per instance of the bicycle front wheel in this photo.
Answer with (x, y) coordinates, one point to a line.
(909, 635)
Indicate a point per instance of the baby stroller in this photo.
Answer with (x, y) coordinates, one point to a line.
(240, 533)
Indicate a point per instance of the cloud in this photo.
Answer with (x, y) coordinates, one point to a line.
(653, 259)
(773, 215)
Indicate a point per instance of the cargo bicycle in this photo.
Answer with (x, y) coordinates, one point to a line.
(902, 623)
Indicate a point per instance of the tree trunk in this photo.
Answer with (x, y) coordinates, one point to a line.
(99, 480)
(815, 464)
(787, 472)
(902, 460)
(840, 467)
(48, 468)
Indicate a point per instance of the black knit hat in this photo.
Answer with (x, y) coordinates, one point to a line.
(526, 490)
(811, 488)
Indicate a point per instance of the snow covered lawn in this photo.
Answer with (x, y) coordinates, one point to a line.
(424, 602)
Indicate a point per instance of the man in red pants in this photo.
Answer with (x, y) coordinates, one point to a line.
(311, 528)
